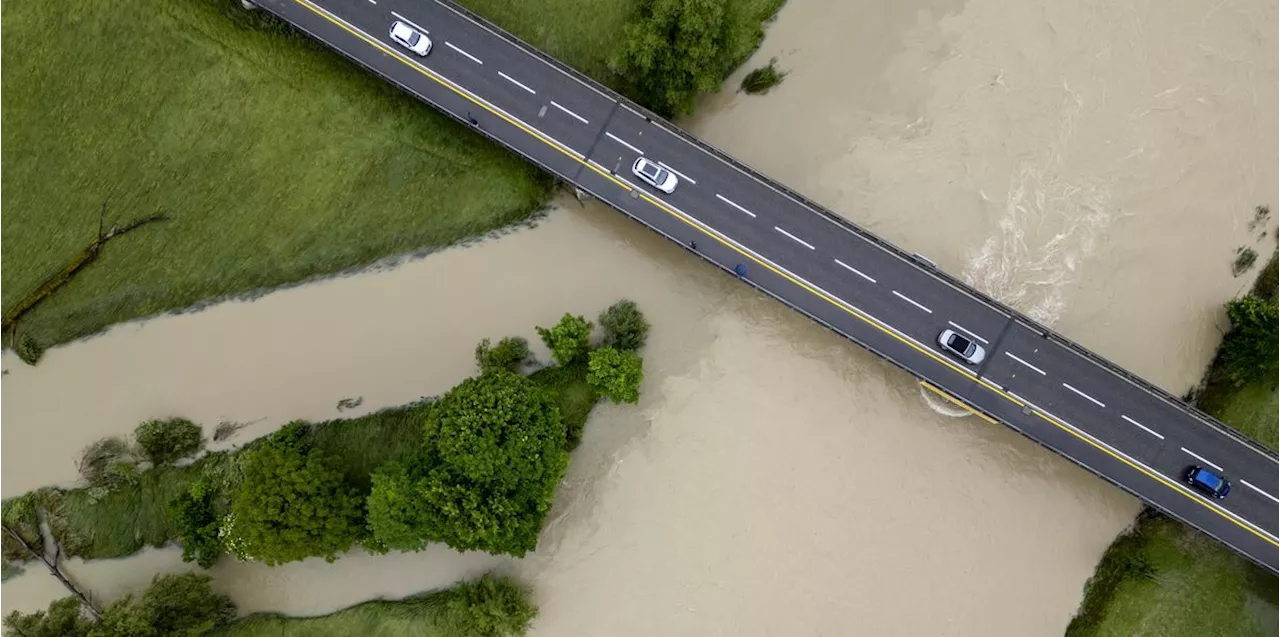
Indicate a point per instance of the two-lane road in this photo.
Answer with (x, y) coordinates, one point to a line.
(889, 301)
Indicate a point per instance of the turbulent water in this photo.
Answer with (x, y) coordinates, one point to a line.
(1095, 164)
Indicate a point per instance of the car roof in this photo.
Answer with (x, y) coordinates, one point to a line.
(1209, 478)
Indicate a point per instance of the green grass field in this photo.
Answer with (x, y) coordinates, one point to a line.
(274, 159)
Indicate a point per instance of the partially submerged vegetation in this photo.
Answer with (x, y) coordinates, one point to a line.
(764, 78)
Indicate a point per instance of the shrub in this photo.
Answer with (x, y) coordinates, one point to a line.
(19, 515)
(1245, 258)
(63, 619)
(491, 606)
(616, 374)
(672, 50)
(192, 512)
(624, 326)
(568, 340)
(181, 605)
(29, 350)
(1249, 349)
(292, 503)
(108, 463)
(764, 78)
(165, 441)
(509, 354)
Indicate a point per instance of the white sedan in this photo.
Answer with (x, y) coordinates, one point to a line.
(655, 175)
(410, 38)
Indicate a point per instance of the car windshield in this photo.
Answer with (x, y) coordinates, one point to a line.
(660, 176)
(960, 343)
(413, 38)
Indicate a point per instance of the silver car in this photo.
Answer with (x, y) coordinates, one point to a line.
(410, 38)
(964, 348)
(655, 175)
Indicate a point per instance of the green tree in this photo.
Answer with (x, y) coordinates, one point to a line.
(63, 619)
(616, 374)
(493, 453)
(569, 339)
(165, 441)
(292, 502)
(672, 50)
(491, 606)
(182, 605)
(1249, 350)
(509, 354)
(192, 512)
(624, 326)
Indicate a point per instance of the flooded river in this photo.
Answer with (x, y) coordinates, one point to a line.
(1094, 164)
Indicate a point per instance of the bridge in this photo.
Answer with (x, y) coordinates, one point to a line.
(894, 303)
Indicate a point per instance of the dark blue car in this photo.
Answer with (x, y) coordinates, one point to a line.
(1210, 483)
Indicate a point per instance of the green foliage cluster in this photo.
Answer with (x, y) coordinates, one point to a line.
(181, 605)
(764, 78)
(491, 606)
(196, 522)
(108, 464)
(568, 340)
(616, 374)
(166, 441)
(20, 516)
(1249, 350)
(29, 350)
(493, 453)
(292, 503)
(509, 354)
(624, 325)
(673, 50)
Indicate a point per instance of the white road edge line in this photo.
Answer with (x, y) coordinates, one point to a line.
(853, 270)
(682, 175)
(911, 301)
(570, 113)
(1264, 493)
(464, 53)
(616, 139)
(1201, 458)
(1033, 367)
(407, 20)
(795, 238)
(726, 200)
(1142, 426)
(984, 341)
(516, 82)
(1085, 396)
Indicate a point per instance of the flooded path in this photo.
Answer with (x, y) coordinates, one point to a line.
(1095, 165)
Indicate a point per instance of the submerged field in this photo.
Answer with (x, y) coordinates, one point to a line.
(274, 160)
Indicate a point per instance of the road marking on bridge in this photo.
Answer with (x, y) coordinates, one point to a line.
(1201, 458)
(853, 270)
(795, 238)
(953, 324)
(682, 175)
(516, 82)
(464, 53)
(726, 200)
(911, 301)
(1264, 493)
(780, 271)
(1033, 367)
(1085, 396)
(570, 113)
(410, 22)
(1142, 426)
(619, 140)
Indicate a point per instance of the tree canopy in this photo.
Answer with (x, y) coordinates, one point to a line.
(1249, 349)
(182, 605)
(624, 326)
(569, 339)
(493, 453)
(509, 354)
(672, 50)
(292, 503)
(616, 374)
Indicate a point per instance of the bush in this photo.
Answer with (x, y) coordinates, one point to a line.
(193, 515)
(292, 503)
(764, 78)
(19, 515)
(108, 463)
(29, 350)
(493, 455)
(491, 606)
(673, 50)
(616, 374)
(166, 441)
(568, 340)
(173, 605)
(1245, 258)
(1249, 349)
(509, 354)
(63, 619)
(624, 326)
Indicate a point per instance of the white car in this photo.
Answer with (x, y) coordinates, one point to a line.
(655, 175)
(967, 350)
(410, 38)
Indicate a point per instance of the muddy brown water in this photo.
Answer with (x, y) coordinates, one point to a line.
(1094, 164)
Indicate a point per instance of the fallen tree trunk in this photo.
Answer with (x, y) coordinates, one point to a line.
(51, 562)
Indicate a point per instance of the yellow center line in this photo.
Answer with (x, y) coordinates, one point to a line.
(838, 303)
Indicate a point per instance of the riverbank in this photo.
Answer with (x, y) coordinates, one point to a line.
(262, 181)
(1163, 578)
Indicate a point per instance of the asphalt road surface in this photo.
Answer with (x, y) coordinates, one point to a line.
(893, 303)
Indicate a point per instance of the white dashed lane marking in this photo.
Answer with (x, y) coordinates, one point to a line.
(740, 208)
(1141, 426)
(464, 53)
(516, 82)
(1200, 458)
(911, 301)
(570, 113)
(853, 270)
(1029, 365)
(1085, 396)
(616, 139)
(795, 238)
